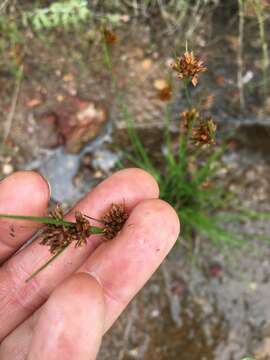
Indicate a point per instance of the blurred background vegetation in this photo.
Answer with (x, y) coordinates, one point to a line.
(87, 88)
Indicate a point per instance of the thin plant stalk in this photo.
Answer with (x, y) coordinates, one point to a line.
(265, 58)
(241, 15)
(168, 139)
(48, 220)
(36, 272)
(127, 117)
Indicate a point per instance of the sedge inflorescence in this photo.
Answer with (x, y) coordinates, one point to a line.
(113, 220)
(109, 36)
(59, 236)
(202, 130)
(187, 66)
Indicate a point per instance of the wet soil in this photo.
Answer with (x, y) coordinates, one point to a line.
(210, 304)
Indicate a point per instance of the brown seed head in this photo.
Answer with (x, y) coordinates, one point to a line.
(204, 133)
(114, 220)
(165, 93)
(57, 237)
(187, 66)
(82, 229)
(109, 36)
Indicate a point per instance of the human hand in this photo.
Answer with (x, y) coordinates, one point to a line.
(64, 311)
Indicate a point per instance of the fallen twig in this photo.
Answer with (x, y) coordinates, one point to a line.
(10, 117)
(3, 5)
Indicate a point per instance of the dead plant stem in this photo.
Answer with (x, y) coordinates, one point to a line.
(10, 117)
(240, 54)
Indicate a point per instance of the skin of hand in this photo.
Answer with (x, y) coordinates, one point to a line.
(65, 310)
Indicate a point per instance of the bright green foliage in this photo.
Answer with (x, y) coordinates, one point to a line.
(63, 14)
(184, 189)
(58, 14)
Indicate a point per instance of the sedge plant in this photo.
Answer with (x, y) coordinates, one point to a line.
(189, 163)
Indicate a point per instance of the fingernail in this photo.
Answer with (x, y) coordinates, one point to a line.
(48, 183)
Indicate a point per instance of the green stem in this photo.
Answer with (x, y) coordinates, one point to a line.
(138, 146)
(187, 94)
(44, 220)
(50, 221)
(46, 264)
(168, 136)
(96, 230)
(108, 63)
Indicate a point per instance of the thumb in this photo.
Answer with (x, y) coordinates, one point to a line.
(71, 322)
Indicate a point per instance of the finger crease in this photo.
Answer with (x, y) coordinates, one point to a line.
(22, 293)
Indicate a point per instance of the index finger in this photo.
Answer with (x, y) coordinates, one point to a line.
(22, 193)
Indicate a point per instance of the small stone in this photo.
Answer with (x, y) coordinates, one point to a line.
(98, 174)
(155, 313)
(68, 77)
(133, 353)
(59, 98)
(146, 64)
(252, 286)
(160, 84)
(7, 169)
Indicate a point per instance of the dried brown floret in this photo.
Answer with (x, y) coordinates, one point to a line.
(57, 213)
(109, 36)
(187, 66)
(204, 133)
(57, 237)
(165, 93)
(114, 220)
(82, 229)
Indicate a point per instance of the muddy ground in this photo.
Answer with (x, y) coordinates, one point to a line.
(210, 304)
